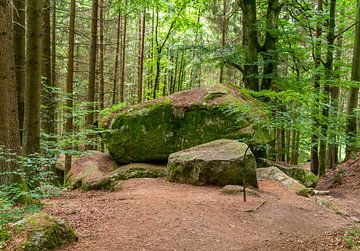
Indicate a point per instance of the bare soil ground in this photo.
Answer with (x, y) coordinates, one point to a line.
(153, 214)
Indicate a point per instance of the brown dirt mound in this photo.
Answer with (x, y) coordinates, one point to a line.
(346, 178)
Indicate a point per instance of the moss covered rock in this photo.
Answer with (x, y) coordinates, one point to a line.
(304, 176)
(90, 168)
(151, 131)
(39, 232)
(275, 174)
(220, 162)
(130, 171)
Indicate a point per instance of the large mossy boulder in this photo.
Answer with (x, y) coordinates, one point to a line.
(221, 162)
(151, 131)
(38, 232)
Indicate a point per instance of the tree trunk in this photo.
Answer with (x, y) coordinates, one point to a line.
(269, 50)
(48, 118)
(326, 96)
(123, 57)
(316, 124)
(223, 36)
(53, 64)
(102, 51)
(33, 77)
(334, 91)
(115, 96)
(101, 70)
(92, 68)
(9, 126)
(251, 45)
(141, 46)
(351, 127)
(20, 60)
(69, 126)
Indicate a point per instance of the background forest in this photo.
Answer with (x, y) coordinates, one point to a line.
(64, 63)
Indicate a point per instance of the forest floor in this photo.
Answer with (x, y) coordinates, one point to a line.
(153, 214)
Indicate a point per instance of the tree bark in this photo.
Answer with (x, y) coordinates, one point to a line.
(48, 118)
(9, 126)
(316, 124)
(115, 96)
(69, 126)
(251, 45)
(20, 60)
(223, 36)
(123, 56)
(269, 50)
(351, 127)
(141, 47)
(92, 68)
(33, 77)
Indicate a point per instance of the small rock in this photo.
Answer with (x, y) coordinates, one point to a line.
(235, 189)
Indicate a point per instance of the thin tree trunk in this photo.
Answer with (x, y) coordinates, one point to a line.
(53, 65)
(48, 118)
(115, 96)
(332, 158)
(123, 57)
(9, 126)
(223, 36)
(351, 126)
(326, 97)
(316, 125)
(34, 39)
(101, 70)
(92, 68)
(20, 60)
(141, 47)
(69, 126)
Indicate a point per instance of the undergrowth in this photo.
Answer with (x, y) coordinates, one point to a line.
(351, 238)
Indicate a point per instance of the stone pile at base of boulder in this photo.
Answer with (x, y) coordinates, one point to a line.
(37, 232)
(221, 162)
(275, 174)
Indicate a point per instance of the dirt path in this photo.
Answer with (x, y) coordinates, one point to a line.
(153, 214)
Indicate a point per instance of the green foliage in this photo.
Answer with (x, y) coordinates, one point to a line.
(351, 238)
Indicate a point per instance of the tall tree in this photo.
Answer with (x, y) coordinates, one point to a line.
(69, 126)
(48, 113)
(141, 46)
(351, 127)
(9, 126)
(19, 52)
(34, 35)
(116, 68)
(223, 36)
(316, 122)
(123, 54)
(92, 65)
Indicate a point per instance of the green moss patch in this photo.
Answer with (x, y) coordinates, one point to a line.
(37, 232)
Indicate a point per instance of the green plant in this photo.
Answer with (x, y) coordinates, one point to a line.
(351, 238)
